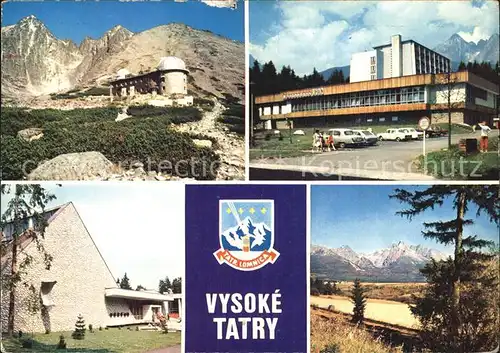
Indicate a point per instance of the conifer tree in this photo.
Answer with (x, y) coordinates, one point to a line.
(484, 198)
(79, 333)
(125, 283)
(359, 300)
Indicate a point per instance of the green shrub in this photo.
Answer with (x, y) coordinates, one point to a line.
(332, 348)
(146, 140)
(15, 119)
(236, 110)
(27, 343)
(62, 343)
(176, 115)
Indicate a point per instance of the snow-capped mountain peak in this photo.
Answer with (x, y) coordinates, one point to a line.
(257, 233)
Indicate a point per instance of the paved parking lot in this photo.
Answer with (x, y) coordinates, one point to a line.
(388, 160)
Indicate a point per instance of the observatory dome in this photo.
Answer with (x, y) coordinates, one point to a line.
(171, 63)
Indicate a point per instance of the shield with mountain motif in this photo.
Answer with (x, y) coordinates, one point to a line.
(246, 236)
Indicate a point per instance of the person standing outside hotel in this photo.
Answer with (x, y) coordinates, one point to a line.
(316, 141)
(485, 130)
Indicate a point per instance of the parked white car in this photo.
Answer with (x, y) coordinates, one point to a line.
(394, 135)
(370, 138)
(415, 135)
(346, 137)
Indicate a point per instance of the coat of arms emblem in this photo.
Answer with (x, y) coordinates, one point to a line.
(246, 234)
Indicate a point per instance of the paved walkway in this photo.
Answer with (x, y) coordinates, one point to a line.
(173, 349)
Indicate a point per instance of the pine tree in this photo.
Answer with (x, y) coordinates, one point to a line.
(79, 333)
(125, 283)
(359, 300)
(164, 285)
(485, 199)
(177, 285)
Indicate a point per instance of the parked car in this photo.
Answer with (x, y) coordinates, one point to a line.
(434, 131)
(394, 135)
(370, 138)
(346, 137)
(415, 135)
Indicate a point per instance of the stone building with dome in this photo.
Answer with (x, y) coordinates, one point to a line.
(168, 80)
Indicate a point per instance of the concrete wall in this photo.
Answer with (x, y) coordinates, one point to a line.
(117, 305)
(439, 94)
(81, 276)
(360, 66)
(409, 66)
(175, 83)
(396, 56)
(456, 117)
(387, 59)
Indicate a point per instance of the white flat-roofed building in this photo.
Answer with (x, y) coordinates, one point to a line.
(399, 58)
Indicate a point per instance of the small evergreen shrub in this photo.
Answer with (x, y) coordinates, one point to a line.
(100, 328)
(91, 328)
(62, 343)
(137, 328)
(79, 333)
(27, 343)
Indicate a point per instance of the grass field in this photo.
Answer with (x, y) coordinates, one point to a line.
(399, 292)
(376, 309)
(106, 341)
(453, 164)
(336, 334)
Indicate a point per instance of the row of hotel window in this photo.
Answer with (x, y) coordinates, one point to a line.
(361, 99)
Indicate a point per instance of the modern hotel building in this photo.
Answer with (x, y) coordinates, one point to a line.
(396, 83)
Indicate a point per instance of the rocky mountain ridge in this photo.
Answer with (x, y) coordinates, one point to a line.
(399, 262)
(36, 63)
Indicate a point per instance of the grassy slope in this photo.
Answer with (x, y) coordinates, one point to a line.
(348, 338)
(106, 341)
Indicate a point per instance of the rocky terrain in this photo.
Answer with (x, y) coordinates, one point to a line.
(35, 63)
(230, 147)
(399, 262)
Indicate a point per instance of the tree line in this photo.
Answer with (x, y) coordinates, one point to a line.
(164, 286)
(265, 79)
(483, 69)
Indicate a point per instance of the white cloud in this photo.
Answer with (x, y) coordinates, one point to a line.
(323, 34)
(475, 36)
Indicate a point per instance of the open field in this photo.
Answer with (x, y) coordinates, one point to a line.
(376, 309)
(333, 330)
(112, 340)
(399, 292)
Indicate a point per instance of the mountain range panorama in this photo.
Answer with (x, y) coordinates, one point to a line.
(36, 63)
(399, 262)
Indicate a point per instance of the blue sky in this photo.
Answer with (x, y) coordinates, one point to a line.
(76, 20)
(324, 34)
(138, 227)
(363, 217)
